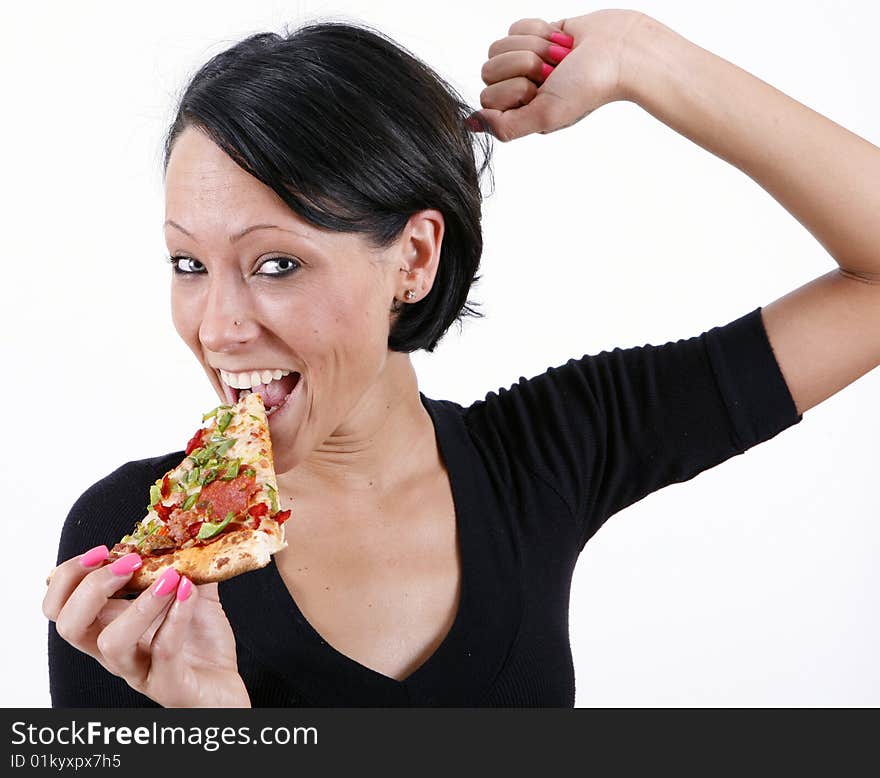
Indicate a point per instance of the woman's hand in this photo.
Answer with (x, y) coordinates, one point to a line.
(533, 86)
(172, 643)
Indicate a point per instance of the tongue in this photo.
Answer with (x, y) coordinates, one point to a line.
(274, 392)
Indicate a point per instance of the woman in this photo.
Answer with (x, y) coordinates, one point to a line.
(432, 546)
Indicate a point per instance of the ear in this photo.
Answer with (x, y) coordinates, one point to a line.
(419, 255)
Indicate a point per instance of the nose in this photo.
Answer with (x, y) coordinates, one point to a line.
(228, 317)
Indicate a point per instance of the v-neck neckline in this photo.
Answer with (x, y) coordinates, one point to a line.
(288, 638)
(293, 609)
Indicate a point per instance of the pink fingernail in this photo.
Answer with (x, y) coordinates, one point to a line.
(127, 564)
(558, 53)
(546, 70)
(167, 581)
(94, 556)
(562, 39)
(184, 588)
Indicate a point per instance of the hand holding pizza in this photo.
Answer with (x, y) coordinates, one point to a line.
(546, 76)
(214, 516)
(173, 643)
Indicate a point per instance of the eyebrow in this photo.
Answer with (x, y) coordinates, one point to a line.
(233, 238)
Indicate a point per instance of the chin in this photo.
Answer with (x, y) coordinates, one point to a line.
(285, 461)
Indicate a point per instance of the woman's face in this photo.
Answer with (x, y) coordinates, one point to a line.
(308, 301)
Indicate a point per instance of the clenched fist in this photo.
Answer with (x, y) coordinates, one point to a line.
(534, 84)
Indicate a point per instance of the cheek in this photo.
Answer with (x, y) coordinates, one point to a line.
(366, 309)
(184, 317)
(348, 334)
(363, 323)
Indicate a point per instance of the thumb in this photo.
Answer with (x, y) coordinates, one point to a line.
(517, 122)
(209, 591)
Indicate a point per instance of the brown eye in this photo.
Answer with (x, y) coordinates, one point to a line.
(285, 266)
(182, 269)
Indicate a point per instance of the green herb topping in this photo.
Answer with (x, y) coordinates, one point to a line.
(209, 530)
(224, 421)
(209, 414)
(232, 470)
(273, 496)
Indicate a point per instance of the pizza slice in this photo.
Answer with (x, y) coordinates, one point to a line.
(216, 514)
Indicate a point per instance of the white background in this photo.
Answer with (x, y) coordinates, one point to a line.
(754, 584)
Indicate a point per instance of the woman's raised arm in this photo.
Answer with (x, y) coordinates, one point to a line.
(825, 334)
(827, 177)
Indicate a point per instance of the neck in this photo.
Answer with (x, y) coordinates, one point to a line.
(379, 446)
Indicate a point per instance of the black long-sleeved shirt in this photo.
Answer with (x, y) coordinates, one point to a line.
(535, 471)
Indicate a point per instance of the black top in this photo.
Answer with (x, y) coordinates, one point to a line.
(535, 471)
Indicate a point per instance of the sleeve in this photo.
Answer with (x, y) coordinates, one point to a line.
(76, 680)
(605, 431)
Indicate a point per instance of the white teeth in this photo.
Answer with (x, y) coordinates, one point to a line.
(251, 379)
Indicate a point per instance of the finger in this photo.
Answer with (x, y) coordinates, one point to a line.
(546, 49)
(106, 615)
(64, 578)
(513, 64)
(115, 608)
(110, 611)
(209, 591)
(541, 29)
(77, 619)
(121, 642)
(169, 639)
(512, 93)
(536, 27)
(533, 116)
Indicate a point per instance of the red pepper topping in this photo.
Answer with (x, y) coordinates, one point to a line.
(260, 509)
(163, 511)
(193, 529)
(195, 441)
(282, 516)
(166, 488)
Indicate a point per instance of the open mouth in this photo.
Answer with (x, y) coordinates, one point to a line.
(275, 394)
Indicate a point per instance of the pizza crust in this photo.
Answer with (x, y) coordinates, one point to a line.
(233, 553)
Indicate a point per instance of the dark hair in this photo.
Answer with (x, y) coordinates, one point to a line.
(355, 134)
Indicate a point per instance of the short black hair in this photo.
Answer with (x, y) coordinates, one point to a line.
(355, 134)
